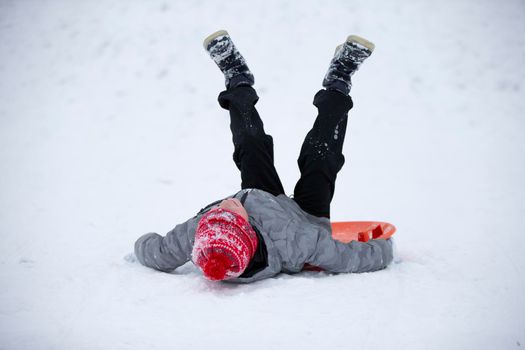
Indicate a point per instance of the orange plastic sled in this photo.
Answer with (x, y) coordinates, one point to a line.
(362, 231)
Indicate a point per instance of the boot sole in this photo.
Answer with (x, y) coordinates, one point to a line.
(210, 37)
(357, 39)
(362, 41)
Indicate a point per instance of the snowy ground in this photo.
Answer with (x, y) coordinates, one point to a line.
(109, 128)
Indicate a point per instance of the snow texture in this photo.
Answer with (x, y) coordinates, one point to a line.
(108, 109)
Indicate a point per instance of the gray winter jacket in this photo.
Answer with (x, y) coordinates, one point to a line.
(292, 237)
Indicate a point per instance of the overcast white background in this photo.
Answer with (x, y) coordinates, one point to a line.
(109, 128)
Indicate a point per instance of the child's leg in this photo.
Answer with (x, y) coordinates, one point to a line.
(321, 155)
(253, 152)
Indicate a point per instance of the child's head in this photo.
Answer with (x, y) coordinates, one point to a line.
(225, 242)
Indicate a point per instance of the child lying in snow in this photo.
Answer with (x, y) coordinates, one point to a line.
(259, 231)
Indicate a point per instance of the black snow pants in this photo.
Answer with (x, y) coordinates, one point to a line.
(320, 158)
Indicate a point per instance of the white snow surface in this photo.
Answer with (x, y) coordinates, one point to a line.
(109, 128)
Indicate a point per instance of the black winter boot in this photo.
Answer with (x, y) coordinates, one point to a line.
(345, 63)
(222, 50)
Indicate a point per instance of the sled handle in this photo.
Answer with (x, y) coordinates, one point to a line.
(362, 231)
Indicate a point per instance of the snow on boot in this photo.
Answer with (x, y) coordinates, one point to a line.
(347, 59)
(229, 60)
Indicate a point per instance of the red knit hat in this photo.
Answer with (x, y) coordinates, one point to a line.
(224, 244)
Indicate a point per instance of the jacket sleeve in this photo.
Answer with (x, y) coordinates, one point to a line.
(334, 256)
(169, 252)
